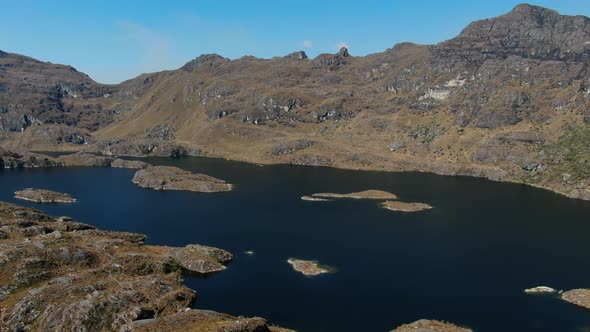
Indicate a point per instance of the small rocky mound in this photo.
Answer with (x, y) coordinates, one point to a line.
(201, 259)
(173, 178)
(43, 196)
(405, 207)
(579, 297)
(425, 325)
(308, 268)
(540, 290)
(367, 194)
(205, 321)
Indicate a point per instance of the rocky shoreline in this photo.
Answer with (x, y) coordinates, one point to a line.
(44, 196)
(60, 275)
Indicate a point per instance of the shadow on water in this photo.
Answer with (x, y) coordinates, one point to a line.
(466, 261)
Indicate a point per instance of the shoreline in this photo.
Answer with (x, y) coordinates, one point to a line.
(272, 162)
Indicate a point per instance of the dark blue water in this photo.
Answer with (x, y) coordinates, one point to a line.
(466, 261)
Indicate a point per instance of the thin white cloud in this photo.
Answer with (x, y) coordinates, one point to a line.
(307, 44)
(342, 44)
(156, 50)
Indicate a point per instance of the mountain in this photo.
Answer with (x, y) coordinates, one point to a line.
(507, 99)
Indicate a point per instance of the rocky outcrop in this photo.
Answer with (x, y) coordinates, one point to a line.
(201, 259)
(9, 159)
(405, 207)
(173, 178)
(425, 325)
(44, 196)
(133, 164)
(205, 321)
(61, 275)
(308, 268)
(291, 147)
(367, 194)
(579, 297)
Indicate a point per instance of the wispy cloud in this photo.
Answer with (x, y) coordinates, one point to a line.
(307, 44)
(154, 50)
(342, 44)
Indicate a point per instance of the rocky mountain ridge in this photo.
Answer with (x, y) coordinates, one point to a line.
(507, 99)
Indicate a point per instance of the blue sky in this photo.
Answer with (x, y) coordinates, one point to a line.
(117, 40)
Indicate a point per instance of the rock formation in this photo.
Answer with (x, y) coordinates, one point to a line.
(173, 178)
(44, 196)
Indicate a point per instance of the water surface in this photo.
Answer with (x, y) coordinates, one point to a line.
(466, 261)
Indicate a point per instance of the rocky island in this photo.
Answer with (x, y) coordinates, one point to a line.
(405, 207)
(540, 290)
(308, 268)
(314, 199)
(173, 178)
(59, 275)
(367, 194)
(425, 325)
(43, 196)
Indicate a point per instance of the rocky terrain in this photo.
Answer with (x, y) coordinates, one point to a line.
(425, 325)
(44, 196)
(367, 194)
(62, 275)
(173, 178)
(507, 99)
(405, 207)
(580, 297)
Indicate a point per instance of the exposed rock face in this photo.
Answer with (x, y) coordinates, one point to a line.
(308, 268)
(367, 194)
(10, 159)
(43, 196)
(425, 325)
(405, 207)
(173, 178)
(61, 275)
(291, 147)
(205, 321)
(579, 297)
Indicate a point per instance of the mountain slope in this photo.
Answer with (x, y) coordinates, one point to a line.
(507, 99)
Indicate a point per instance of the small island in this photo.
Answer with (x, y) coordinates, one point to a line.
(405, 207)
(314, 199)
(367, 194)
(579, 297)
(173, 178)
(308, 268)
(426, 325)
(540, 290)
(43, 196)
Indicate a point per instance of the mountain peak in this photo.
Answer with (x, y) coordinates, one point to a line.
(527, 31)
(205, 60)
